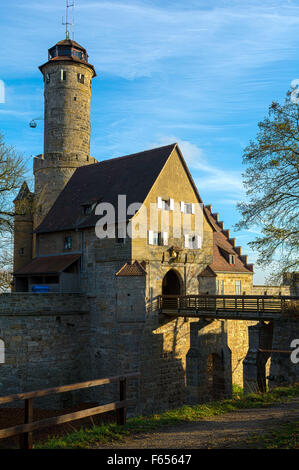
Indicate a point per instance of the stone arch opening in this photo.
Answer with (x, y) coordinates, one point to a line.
(172, 283)
(215, 376)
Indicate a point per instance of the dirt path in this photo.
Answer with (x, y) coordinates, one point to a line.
(223, 431)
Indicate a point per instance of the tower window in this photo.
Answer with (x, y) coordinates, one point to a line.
(21, 251)
(77, 54)
(62, 75)
(47, 78)
(80, 78)
(64, 51)
(67, 243)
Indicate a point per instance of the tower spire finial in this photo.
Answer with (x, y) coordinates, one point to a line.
(67, 23)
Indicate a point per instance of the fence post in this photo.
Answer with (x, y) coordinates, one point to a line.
(121, 412)
(26, 438)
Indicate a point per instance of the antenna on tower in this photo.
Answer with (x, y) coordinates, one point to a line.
(66, 23)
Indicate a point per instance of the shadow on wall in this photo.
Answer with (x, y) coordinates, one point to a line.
(163, 365)
(209, 367)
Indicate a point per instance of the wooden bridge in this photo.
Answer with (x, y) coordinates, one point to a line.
(242, 307)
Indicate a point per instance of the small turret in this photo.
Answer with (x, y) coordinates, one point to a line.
(23, 226)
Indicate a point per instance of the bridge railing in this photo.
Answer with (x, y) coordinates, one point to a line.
(236, 303)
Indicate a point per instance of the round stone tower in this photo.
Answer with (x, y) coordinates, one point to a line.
(67, 91)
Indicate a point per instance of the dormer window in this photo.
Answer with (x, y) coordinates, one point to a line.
(87, 209)
(232, 259)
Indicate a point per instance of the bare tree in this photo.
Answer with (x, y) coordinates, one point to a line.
(12, 172)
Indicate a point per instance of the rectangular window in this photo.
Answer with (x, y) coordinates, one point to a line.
(21, 251)
(238, 287)
(157, 238)
(67, 243)
(187, 208)
(80, 78)
(193, 242)
(165, 204)
(77, 54)
(232, 259)
(220, 287)
(120, 240)
(62, 75)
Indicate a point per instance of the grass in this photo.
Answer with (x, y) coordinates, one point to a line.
(86, 437)
(286, 436)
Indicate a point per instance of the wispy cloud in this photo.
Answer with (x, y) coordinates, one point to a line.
(208, 176)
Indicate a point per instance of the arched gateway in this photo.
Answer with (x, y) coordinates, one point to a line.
(172, 283)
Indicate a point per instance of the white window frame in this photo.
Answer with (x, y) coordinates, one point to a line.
(165, 204)
(187, 207)
(238, 286)
(193, 242)
(158, 238)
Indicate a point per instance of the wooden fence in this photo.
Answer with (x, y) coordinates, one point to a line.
(25, 430)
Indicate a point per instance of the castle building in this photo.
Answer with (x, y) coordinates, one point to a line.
(93, 300)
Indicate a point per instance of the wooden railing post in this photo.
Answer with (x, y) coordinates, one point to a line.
(121, 413)
(26, 438)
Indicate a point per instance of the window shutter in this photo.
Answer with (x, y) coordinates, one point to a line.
(193, 208)
(186, 241)
(150, 237)
(159, 202)
(182, 206)
(198, 242)
(165, 238)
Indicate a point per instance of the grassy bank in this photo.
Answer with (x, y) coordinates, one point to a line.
(285, 436)
(85, 438)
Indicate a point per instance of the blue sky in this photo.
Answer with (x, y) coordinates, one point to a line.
(200, 73)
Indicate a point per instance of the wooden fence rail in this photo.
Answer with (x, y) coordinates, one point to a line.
(25, 430)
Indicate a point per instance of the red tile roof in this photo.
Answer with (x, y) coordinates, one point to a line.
(221, 242)
(48, 264)
(131, 269)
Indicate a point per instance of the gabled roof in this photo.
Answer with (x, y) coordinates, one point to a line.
(131, 269)
(132, 175)
(48, 264)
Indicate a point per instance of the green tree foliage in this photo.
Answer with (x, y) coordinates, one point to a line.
(272, 189)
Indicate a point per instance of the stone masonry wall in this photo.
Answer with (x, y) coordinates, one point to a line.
(46, 340)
